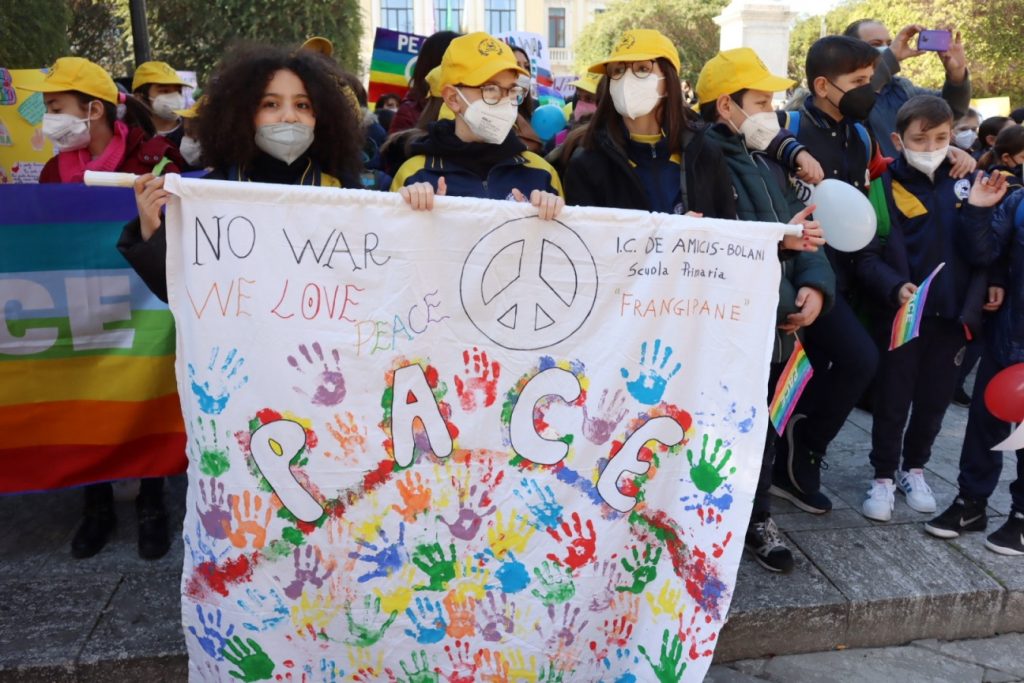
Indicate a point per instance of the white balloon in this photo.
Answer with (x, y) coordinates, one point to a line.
(846, 216)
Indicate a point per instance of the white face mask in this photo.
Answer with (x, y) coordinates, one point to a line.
(66, 131)
(926, 162)
(490, 122)
(164, 105)
(760, 129)
(284, 141)
(191, 150)
(635, 97)
(965, 138)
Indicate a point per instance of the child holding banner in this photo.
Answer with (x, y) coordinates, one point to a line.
(96, 127)
(478, 154)
(735, 94)
(929, 209)
(102, 138)
(1000, 241)
(270, 116)
(640, 150)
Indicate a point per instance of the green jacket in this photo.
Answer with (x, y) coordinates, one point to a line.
(764, 193)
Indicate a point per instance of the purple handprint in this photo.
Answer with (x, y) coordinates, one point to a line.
(562, 635)
(329, 383)
(212, 641)
(605, 596)
(497, 618)
(467, 524)
(216, 518)
(307, 570)
(599, 429)
(388, 557)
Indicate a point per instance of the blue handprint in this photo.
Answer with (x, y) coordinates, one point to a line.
(430, 624)
(329, 671)
(649, 385)
(216, 387)
(623, 655)
(212, 641)
(257, 606)
(388, 557)
(548, 511)
(200, 551)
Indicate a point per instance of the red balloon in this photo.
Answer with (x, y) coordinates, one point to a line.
(1004, 395)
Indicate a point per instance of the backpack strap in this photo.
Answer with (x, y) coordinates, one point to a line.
(689, 136)
(793, 122)
(1018, 218)
(864, 138)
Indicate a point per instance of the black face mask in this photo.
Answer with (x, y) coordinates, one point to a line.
(856, 103)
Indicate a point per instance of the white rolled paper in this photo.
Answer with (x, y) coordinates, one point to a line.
(107, 179)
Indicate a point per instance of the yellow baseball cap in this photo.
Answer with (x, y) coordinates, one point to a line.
(474, 59)
(637, 45)
(76, 73)
(589, 82)
(734, 70)
(434, 81)
(159, 73)
(319, 44)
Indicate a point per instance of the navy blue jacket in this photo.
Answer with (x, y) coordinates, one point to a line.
(1001, 241)
(930, 222)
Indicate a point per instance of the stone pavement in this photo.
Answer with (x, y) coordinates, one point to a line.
(857, 584)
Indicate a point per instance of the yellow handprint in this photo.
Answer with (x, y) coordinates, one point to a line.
(667, 601)
(363, 663)
(513, 535)
(401, 596)
(471, 579)
(519, 669)
(311, 617)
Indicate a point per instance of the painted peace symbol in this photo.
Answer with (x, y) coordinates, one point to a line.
(529, 284)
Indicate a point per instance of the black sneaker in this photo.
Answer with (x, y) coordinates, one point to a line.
(98, 523)
(1009, 538)
(796, 475)
(963, 515)
(961, 398)
(154, 539)
(765, 542)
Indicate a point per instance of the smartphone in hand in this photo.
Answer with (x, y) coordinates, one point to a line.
(934, 41)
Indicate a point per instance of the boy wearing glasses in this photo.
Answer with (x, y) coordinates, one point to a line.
(478, 154)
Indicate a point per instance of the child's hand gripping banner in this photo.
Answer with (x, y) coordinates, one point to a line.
(464, 444)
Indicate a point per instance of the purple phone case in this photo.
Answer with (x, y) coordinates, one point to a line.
(934, 41)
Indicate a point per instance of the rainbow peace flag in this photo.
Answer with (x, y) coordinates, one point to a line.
(907, 324)
(791, 385)
(87, 389)
(394, 56)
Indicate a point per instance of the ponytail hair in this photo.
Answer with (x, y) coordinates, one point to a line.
(131, 110)
(1009, 141)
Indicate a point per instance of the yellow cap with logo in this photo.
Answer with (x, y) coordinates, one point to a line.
(475, 58)
(159, 73)
(730, 71)
(589, 82)
(77, 73)
(640, 44)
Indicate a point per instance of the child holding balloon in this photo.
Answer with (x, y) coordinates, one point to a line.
(929, 210)
(997, 399)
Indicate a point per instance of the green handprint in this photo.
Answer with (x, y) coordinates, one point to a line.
(430, 558)
(551, 674)
(420, 671)
(556, 585)
(364, 634)
(670, 666)
(706, 474)
(644, 569)
(253, 662)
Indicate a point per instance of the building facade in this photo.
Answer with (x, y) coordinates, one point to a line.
(559, 21)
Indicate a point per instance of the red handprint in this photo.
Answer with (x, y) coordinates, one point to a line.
(581, 548)
(481, 378)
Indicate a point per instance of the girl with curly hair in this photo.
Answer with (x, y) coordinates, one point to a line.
(269, 116)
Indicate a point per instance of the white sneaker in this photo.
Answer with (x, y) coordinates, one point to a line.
(916, 489)
(880, 501)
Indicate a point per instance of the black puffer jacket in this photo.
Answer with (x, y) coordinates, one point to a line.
(605, 177)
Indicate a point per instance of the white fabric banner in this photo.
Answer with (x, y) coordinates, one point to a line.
(464, 444)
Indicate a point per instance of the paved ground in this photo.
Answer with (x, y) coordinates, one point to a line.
(857, 584)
